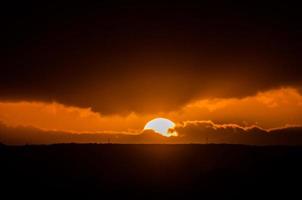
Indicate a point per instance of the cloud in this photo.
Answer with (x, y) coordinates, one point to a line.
(55, 116)
(270, 109)
(273, 108)
(20, 135)
(188, 132)
(147, 59)
(209, 132)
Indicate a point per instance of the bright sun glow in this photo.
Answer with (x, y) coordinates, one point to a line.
(162, 126)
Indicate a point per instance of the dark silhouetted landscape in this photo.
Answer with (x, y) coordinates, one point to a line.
(152, 171)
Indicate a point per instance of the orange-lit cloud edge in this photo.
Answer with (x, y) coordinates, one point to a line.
(268, 110)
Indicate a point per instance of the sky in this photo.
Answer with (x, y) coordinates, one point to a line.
(110, 68)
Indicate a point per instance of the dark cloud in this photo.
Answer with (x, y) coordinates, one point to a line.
(21, 135)
(147, 58)
(209, 132)
(190, 132)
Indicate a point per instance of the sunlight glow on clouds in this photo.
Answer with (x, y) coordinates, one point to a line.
(269, 109)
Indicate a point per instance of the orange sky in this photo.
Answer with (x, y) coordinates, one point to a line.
(269, 109)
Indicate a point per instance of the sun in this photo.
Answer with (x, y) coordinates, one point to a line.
(161, 126)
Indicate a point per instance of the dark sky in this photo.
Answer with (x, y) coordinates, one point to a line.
(118, 58)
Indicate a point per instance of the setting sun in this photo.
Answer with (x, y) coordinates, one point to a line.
(162, 126)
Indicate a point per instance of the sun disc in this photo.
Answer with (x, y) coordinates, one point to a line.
(161, 126)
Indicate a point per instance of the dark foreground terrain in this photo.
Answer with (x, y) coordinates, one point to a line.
(151, 171)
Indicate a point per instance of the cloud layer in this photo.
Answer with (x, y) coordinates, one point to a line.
(271, 109)
(209, 132)
(147, 58)
(188, 132)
